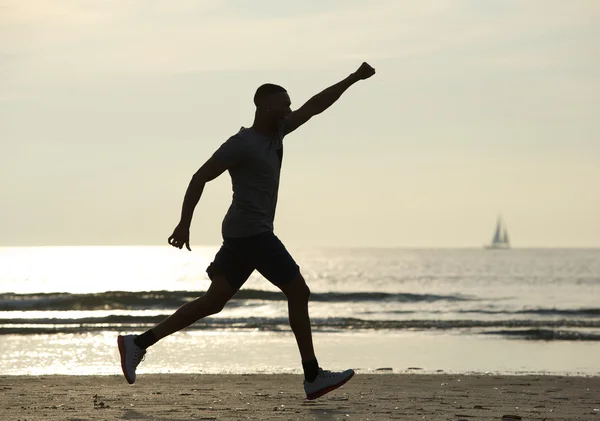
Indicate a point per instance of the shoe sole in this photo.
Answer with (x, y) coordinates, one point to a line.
(328, 389)
(121, 342)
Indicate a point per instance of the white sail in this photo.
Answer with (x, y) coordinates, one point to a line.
(500, 239)
(496, 238)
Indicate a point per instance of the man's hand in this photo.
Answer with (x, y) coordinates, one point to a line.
(364, 71)
(180, 237)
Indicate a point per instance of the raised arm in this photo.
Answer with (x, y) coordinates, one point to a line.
(323, 100)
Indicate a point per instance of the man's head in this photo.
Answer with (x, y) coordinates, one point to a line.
(272, 103)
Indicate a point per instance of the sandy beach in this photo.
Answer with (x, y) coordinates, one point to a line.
(280, 397)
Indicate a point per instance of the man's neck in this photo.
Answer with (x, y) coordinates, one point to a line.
(263, 128)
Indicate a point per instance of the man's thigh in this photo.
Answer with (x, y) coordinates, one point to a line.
(231, 265)
(268, 255)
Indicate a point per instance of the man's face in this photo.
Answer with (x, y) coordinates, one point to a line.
(279, 105)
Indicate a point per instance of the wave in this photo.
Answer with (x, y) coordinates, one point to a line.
(562, 312)
(525, 329)
(547, 335)
(575, 313)
(578, 312)
(128, 300)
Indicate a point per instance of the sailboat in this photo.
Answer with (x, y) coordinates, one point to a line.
(500, 240)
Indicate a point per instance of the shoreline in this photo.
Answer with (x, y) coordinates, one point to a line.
(211, 352)
(384, 396)
(384, 371)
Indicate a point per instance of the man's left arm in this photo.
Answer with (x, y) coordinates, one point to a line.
(323, 100)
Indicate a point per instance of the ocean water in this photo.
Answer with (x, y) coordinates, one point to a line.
(463, 310)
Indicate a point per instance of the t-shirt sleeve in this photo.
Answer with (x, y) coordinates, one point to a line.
(232, 151)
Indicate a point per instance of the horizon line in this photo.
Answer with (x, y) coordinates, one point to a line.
(407, 247)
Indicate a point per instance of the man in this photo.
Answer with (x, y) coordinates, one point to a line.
(253, 158)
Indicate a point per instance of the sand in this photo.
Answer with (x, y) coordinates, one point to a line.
(280, 397)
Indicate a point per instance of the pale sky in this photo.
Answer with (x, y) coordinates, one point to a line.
(478, 108)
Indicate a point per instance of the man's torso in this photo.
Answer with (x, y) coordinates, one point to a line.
(255, 184)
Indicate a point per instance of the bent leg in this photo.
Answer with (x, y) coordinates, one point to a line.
(132, 348)
(227, 273)
(218, 294)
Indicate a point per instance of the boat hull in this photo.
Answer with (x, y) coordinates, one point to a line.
(497, 247)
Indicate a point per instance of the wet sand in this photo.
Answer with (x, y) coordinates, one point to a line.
(280, 397)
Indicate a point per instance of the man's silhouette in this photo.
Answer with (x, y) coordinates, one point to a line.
(253, 158)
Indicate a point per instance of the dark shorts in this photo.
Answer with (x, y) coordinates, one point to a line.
(239, 257)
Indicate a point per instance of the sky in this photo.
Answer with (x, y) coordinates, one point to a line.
(478, 109)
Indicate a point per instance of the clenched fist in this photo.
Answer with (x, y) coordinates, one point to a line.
(365, 71)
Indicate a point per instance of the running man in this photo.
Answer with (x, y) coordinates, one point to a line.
(253, 158)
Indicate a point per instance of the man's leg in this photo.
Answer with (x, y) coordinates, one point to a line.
(133, 348)
(218, 294)
(274, 262)
(270, 257)
(228, 272)
(317, 382)
(298, 293)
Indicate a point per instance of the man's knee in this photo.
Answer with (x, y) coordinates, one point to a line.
(297, 290)
(215, 306)
(218, 295)
(201, 307)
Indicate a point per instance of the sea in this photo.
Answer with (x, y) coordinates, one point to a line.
(377, 310)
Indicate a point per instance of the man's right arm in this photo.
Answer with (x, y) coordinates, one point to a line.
(213, 168)
(227, 156)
